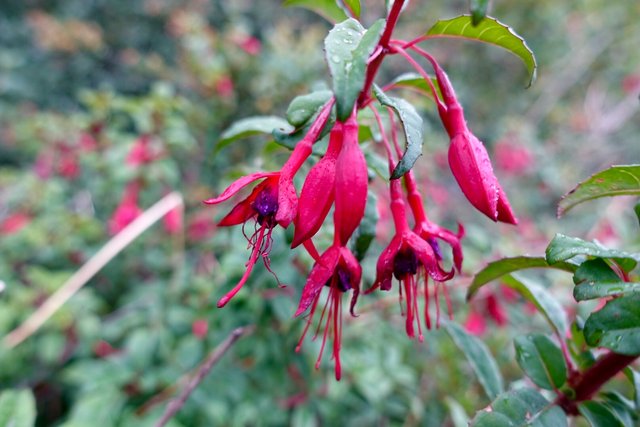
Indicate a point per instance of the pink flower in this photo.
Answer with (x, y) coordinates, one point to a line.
(140, 153)
(224, 87)
(513, 159)
(14, 223)
(340, 271)
(200, 227)
(127, 210)
(172, 221)
(251, 45)
(469, 160)
(475, 324)
(199, 328)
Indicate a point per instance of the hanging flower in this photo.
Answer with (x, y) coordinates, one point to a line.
(127, 210)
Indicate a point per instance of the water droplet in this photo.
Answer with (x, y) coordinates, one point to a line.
(335, 58)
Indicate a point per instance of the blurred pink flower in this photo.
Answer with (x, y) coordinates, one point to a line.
(475, 323)
(127, 210)
(514, 159)
(14, 223)
(224, 87)
(172, 221)
(251, 45)
(140, 153)
(199, 328)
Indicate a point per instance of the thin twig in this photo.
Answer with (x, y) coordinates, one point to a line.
(214, 357)
(85, 273)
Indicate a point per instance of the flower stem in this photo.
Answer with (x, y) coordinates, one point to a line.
(587, 383)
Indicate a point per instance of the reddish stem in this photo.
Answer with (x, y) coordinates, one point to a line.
(587, 383)
(383, 50)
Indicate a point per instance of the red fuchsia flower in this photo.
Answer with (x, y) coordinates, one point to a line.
(429, 231)
(250, 45)
(141, 153)
(338, 269)
(200, 227)
(14, 223)
(224, 87)
(512, 158)
(409, 258)
(68, 165)
(127, 210)
(476, 323)
(272, 202)
(469, 160)
(172, 221)
(199, 328)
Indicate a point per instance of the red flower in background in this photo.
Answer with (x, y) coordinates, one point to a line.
(14, 223)
(128, 209)
(172, 221)
(141, 152)
(513, 158)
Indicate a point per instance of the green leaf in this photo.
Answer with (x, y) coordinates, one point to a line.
(304, 107)
(17, 408)
(490, 30)
(564, 247)
(616, 326)
(366, 231)
(499, 268)
(347, 49)
(412, 126)
(457, 413)
(252, 126)
(521, 407)
(615, 181)
(634, 377)
(353, 6)
(416, 82)
(480, 359)
(636, 209)
(328, 9)
(541, 359)
(599, 414)
(595, 279)
(544, 301)
(478, 10)
(622, 407)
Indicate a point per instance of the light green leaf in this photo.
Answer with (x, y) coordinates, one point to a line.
(541, 359)
(416, 82)
(615, 181)
(490, 30)
(328, 9)
(616, 326)
(347, 49)
(499, 268)
(252, 126)
(564, 247)
(412, 127)
(17, 408)
(304, 107)
(459, 417)
(599, 414)
(544, 301)
(480, 359)
(353, 6)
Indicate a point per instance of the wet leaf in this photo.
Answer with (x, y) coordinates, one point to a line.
(252, 126)
(563, 248)
(328, 9)
(304, 107)
(599, 414)
(541, 359)
(521, 407)
(616, 326)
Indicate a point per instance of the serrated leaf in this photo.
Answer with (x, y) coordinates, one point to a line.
(412, 127)
(17, 408)
(499, 268)
(521, 407)
(252, 126)
(490, 30)
(480, 359)
(616, 326)
(562, 248)
(615, 181)
(353, 6)
(347, 49)
(595, 279)
(366, 231)
(328, 9)
(416, 82)
(599, 414)
(478, 10)
(544, 301)
(302, 108)
(541, 359)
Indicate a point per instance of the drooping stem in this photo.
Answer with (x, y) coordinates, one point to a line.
(587, 383)
(383, 50)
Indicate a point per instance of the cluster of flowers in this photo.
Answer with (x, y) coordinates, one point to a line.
(340, 179)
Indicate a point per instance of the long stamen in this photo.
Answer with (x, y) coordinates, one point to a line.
(337, 330)
(435, 296)
(414, 287)
(427, 317)
(326, 329)
(410, 307)
(308, 324)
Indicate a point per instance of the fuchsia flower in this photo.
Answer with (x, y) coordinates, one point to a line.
(338, 269)
(469, 160)
(127, 210)
(172, 221)
(409, 258)
(141, 153)
(14, 223)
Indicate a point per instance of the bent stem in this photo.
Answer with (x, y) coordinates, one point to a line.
(587, 383)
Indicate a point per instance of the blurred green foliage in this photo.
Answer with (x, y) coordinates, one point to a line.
(82, 81)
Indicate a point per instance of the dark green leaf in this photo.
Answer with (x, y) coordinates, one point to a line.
(521, 407)
(634, 377)
(615, 181)
(490, 30)
(326, 8)
(479, 358)
(366, 231)
(599, 414)
(546, 303)
(252, 126)
(499, 268)
(616, 326)
(478, 10)
(412, 126)
(622, 407)
(17, 408)
(303, 107)
(492, 419)
(541, 359)
(636, 209)
(595, 270)
(416, 82)
(564, 247)
(353, 6)
(595, 279)
(347, 49)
